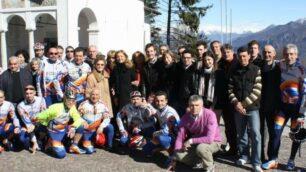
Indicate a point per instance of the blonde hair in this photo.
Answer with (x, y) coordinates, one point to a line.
(128, 64)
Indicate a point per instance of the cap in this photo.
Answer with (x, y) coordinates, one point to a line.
(39, 46)
(135, 94)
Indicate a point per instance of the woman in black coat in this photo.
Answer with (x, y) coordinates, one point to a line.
(166, 78)
(121, 79)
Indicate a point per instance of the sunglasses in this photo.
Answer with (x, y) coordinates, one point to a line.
(53, 53)
(69, 51)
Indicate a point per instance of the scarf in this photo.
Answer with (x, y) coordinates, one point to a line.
(99, 76)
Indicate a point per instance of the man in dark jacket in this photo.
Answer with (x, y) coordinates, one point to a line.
(186, 82)
(150, 72)
(244, 90)
(270, 99)
(254, 50)
(14, 80)
(223, 107)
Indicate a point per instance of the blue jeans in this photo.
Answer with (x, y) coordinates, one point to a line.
(164, 142)
(252, 120)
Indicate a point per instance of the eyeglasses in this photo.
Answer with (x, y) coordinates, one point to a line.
(53, 53)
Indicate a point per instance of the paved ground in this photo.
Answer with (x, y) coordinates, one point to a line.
(104, 161)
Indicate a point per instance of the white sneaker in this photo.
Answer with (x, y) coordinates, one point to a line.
(257, 168)
(241, 161)
(212, 169)
(198, 165)
(227, 147)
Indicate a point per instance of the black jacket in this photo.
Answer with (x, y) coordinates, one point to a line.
(258, 61)
(245, 87)
(149, 77)
(6, 83)
(166, 80)
(222, 75)
(271, 93)
(120, 80)
(186, 82)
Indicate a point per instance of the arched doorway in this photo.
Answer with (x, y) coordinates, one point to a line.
(16, 36)
(46, 30)
(88, 28)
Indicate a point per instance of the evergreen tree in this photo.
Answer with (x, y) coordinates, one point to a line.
(151, 12)
(189, 14)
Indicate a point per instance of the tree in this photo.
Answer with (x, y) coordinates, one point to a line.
(151, 11)
(189, 13)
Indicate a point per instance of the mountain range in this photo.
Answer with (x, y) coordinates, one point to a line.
(276, 35)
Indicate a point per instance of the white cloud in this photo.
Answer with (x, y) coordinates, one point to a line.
(243, 27)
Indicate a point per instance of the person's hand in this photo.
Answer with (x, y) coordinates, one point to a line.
(171, 166)
(17, 130)
(85, 125)
(136, 130)
(239, 108)
(31, 128)
(135, 83)
(144, 103)
(100, 130)
(112, 91)
(71, 132)
(124, 133)
(186, 145)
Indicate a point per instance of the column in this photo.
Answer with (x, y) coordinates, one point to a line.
(3, 50)
(31, 43)
(93, 37)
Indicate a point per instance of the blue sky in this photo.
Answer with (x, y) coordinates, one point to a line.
(252, 15)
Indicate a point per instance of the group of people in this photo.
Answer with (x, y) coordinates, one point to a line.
(164, 101)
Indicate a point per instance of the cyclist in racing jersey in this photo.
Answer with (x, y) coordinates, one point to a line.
(28, 109)
(139, 121)
(97, 115)
(56, 119)
(7, 129)
(77, 75)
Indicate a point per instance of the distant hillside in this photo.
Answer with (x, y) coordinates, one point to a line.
(279, 36)
(215, 35)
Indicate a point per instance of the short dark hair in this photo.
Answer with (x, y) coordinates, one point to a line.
(52, 47)
(214, 41)
(79, 49)
(24, 53)
(226, 47)
(69, 47)
(161, 93)
(180, 47)
(242, 49)
(60, 47)
(187, 52)
(201, 43)
(150, 45)
(253, 42)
